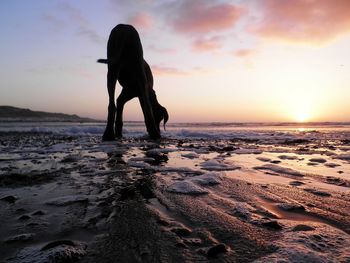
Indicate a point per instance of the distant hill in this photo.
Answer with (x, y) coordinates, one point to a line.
(9, 113)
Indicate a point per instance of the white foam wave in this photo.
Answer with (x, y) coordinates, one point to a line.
(187, 131)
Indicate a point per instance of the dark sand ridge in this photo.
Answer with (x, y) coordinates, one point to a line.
(212, 219)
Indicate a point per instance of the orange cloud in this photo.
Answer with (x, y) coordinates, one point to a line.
(199, 17)
(163, 70)
(202, 44)
(244, 52)
(310, 21)
(141, 20)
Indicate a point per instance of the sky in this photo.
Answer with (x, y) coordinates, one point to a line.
(212, 60)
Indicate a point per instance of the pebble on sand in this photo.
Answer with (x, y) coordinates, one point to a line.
(296, 183)
(291, 207)
(317, 160)
(317, 192)
(9, 198)
(20, 238)
(67, 200)
(302, 227)
(181, 231)
(272, 224)
(217, 249)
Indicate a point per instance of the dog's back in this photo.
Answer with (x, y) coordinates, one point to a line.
(124, 46)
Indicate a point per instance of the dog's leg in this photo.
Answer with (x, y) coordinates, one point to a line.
(144, 99)
(111, 82)
(123, 98)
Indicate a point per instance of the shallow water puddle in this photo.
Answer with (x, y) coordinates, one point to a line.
(319, 164)
(296, 214)
(301, 163)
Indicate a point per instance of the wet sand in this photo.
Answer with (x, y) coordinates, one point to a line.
(67, 198)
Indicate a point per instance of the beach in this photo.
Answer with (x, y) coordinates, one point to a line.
(203, 193)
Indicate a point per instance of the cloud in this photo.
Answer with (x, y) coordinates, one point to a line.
(55, 22)
(161, 49)
(164, 70)
(245, 52)
(83, 26)
(141, 20)
(161, 70)
(206, 44)
(198, 20)
(73, 12)
(89, 34)
(305, 21)
(198, 16)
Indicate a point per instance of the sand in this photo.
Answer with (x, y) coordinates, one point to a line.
(67, 198)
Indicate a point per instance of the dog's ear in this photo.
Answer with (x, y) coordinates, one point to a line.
(102, 60)
(165, 116)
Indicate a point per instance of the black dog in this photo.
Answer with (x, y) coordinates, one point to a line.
(126, 64)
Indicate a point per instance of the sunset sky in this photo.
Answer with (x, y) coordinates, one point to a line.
(253, 60)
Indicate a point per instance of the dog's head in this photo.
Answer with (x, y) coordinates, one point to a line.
(160, 114)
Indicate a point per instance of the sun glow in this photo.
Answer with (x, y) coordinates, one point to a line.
(301, 110)
(302, 116)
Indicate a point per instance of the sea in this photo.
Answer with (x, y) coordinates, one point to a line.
(268, 132)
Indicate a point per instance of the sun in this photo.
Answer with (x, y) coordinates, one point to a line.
(301, 110)
(302, 116)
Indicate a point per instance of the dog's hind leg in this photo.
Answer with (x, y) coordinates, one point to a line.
(111, 82)
(115, 46)
(123, 98)
(144, 99)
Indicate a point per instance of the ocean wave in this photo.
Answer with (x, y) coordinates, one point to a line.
(190, 131)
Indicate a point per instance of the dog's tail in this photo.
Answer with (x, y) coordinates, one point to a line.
(102, 60)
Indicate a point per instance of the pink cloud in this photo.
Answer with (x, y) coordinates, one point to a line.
(163, 70)
(311, 21)
(245, 52)
(200, 17)
(142, 20)
(206, 44)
